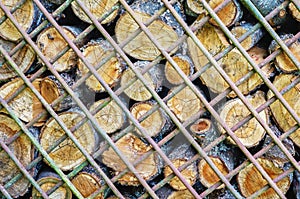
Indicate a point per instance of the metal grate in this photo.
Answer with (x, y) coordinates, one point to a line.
(181, 127)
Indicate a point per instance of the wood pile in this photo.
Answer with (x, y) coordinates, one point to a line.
(57, 118)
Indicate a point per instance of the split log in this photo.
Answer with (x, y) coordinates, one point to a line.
(251, 133)
(47, 180)
(88, 181)
(250, 180)
(66, 155)
(137, 91)
(24, 152)
(155, 123)
(110, 72)
(252, 39)
(282, 61)
(184, 63)
(282, 117)
(141, 47)
(50, 42)
(111, 117)
(132, 148)
(296, 184)
(294, 11)
(25, 105)
(98, 8)
(267, 6)
(184, 104)
(51, 89)
(23, 58)
(27, 15)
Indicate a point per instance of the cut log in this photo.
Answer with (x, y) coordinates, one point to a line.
(66, 155)
(267, 6)
(137, 91)
(141, 47)
(184, 104)
(50, 42)
(25, 105)
(282, 61)
(189, 173)
(251, 40)
(152, 124)
(111, 117)
(184, 63)
(196, 7)
(296, 184)
(51, 89)
(282, 117)
(25, 16)
(251, 133)
(132, 148)
(22, 149)
(250, 180)
(23, 58)
(98, 8)
(95, 52)
(47, 180)
(184, 194)
(88, 181)
(294, 11)
(202, 129)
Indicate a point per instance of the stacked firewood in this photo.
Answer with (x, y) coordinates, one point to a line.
(73, 54)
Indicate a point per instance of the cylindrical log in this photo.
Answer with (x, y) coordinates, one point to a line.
(110, 72)
(137, 91)
(251, 133)
(204, 132)
(282, 61)
(184, 194)
(111, 117)
(250, 180)
(132, 148)
(25, 105)
(66, 155)
(267, 6)
(22, 149)
(26, 16)
(23, 58)
(282, 117)
(184, 63)
(252, 39)
(47, 180)
(296, 184)
(141, 47)
(185, 104)
(152, 124)
(98, 8)
(294, 11)
(50, 42)
(195, 6)
(51, 89)
(88, 181)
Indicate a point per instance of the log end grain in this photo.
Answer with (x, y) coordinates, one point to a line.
(184, 194)
(294, 11)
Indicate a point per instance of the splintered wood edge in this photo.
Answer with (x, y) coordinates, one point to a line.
(184, 104)
(154, 123)
(51, 132)
(249, 136)
(172, 75)
(207, 176)
(22, 148)
(250, 180)
(109, 72)
(137, 91)
(46, 183)
(132, 148)
(97, 9)
(189, 173)
(50, 42)
(110, 118)
(282, 117)
(184, 194)
(87, 184)
(141, 47)
(295, 12)
(24, 16)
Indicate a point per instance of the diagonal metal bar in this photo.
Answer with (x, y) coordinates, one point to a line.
(4, 192)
